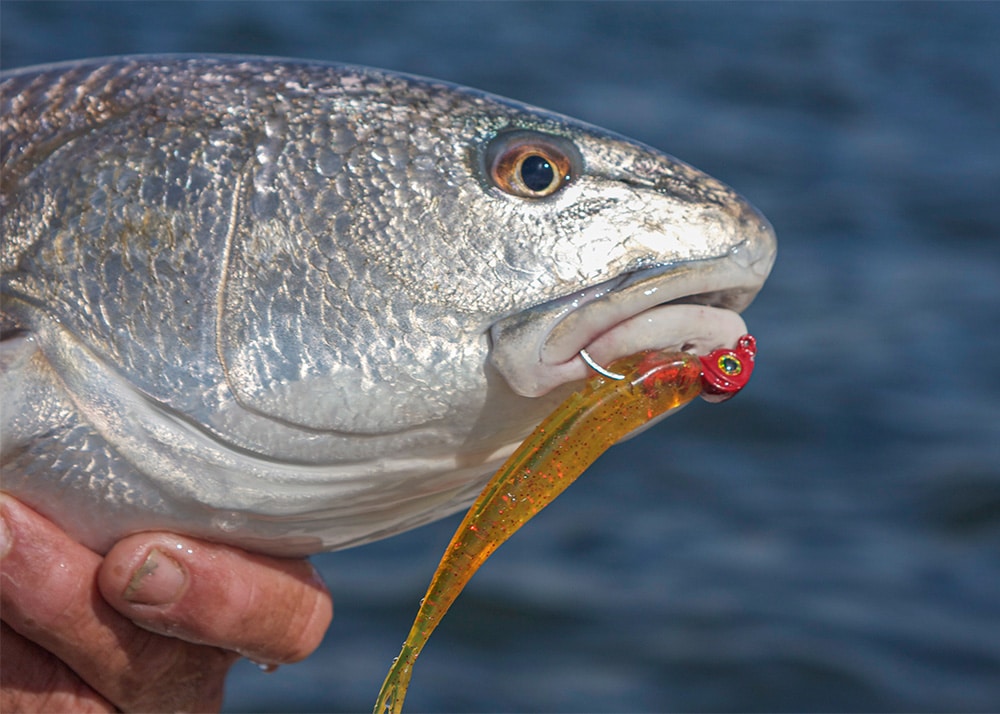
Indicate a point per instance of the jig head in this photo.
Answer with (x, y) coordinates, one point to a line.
(726, 371)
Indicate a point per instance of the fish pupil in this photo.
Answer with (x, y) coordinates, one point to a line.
(537, 173)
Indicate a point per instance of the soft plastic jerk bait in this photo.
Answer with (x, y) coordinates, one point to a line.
(629, 393)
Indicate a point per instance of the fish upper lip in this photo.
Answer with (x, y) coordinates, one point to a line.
(691, 306)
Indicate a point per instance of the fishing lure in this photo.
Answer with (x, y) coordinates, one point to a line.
(629, 393)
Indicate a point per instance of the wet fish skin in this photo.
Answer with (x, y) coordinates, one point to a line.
(250, 298)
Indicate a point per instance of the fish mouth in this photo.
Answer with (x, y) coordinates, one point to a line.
(691, 306)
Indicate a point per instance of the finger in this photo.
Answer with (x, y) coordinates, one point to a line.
(49, 596)
(33, 680)
(271, 610)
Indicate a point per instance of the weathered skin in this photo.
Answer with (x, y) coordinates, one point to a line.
(283, 304)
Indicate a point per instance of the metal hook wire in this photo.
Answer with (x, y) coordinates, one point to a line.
(598, 368)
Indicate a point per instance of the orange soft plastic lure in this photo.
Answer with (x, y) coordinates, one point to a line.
(637, 388)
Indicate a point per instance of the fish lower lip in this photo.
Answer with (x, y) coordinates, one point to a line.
(683, 327)
(690, 307)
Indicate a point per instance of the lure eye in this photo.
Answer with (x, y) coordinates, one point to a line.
(730, 365)
(530, 164)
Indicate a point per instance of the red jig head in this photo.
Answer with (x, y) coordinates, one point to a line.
(725, 371)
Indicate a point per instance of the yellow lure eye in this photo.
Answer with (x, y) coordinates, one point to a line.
(729, 365)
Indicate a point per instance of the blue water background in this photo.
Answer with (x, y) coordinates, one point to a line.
(829, 541)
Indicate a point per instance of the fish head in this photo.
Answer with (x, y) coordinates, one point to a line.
(476, 247)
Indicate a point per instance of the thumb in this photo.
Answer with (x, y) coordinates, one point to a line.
(270, 610)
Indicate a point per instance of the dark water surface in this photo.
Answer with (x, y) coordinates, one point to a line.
(828, 541)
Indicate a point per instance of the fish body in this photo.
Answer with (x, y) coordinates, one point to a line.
(297, 306)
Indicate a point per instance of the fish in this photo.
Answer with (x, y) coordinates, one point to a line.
(634, 390)
(297, 306)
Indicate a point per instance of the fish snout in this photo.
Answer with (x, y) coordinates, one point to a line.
(689, 305)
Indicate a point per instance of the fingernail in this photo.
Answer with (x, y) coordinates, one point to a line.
(160, 580)
(6, 541)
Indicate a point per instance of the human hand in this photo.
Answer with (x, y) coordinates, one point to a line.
(154, 625)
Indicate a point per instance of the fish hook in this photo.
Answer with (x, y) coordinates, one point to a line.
(598, 368)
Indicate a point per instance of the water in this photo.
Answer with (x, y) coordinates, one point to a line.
(828, 541)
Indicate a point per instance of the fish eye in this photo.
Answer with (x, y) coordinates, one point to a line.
(530, 164)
